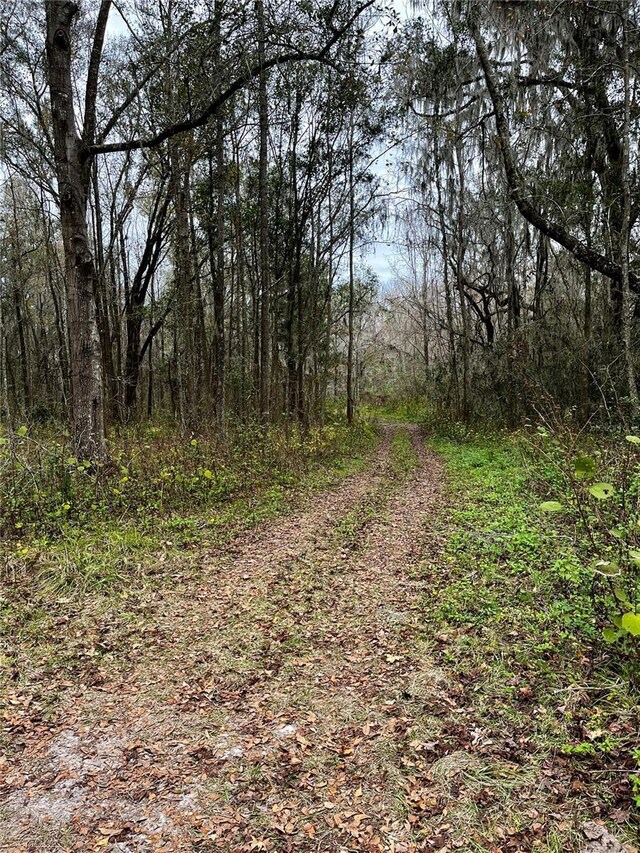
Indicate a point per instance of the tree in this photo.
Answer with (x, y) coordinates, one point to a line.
(73, 173)
(74, 156)
(544, 295)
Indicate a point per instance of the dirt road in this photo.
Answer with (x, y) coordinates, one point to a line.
(267, 701)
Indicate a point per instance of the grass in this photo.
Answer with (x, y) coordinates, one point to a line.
(67, 583)
(507, 721)
(403, 459)
(513, 622)
(68, 528)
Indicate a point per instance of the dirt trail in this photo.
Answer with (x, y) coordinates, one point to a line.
(267, 703)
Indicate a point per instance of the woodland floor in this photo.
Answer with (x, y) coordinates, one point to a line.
(283, 696)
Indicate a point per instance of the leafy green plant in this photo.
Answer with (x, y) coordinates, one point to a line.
(584, 748)
(634, 778)
(62, 518)
(597, 490)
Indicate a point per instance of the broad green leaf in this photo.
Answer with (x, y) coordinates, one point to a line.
(610, 635)
(602, 491)
(4, 440)
(633, 439)
(71, 460)
(634, 556)
(631, 623)
(208, 474)
(621, 595)
(606, 567)
(551, 506)
(22, 430)
(584, 467)
(617, 621)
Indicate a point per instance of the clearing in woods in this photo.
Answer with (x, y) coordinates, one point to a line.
(283, 697)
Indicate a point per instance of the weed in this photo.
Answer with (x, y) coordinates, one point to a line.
(514, 618)
(598, 484)
(77, 527)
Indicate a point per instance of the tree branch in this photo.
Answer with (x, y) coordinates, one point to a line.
(153, 331)
(133, 94)
(546, 81)
(187, 125)
(91, 94)
(518, 190)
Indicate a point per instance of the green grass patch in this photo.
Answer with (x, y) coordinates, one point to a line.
(509, 611)
(499, 536)
(398, 411)
(402, 460)
(66, 526)
(403, 454)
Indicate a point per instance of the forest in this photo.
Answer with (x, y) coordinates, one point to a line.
(319, 426)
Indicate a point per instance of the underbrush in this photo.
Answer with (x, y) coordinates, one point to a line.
(515, 617)
(73, 526)
(409, 411)
(592, 486)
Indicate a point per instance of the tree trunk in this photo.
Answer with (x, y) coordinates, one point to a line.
(445, 270)
(513, 314)
(113, 408)
(183, 274)
(86, 410)
(219, 283)
(424, 294)
(626, 220)
(352, 213)
(265, 320)
(460, 253)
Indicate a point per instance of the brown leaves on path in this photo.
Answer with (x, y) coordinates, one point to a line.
(282, 699)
